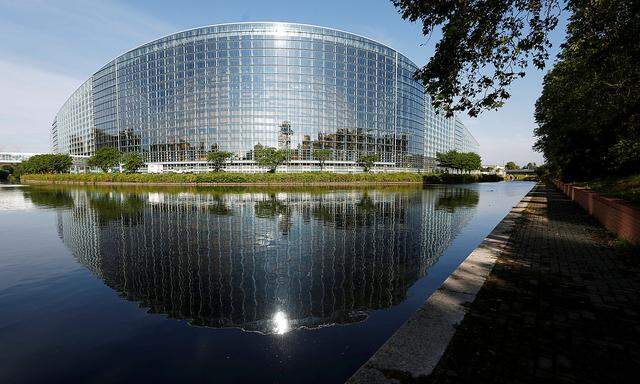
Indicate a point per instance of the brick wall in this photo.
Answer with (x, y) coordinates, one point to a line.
(615, 214)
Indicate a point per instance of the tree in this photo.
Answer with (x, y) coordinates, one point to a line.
(588, 114)
(511, 166)
(6, 171)
(61, 163)
(218, 159)
(447, 160)
(46, 163)
(322, 155)
(485, 46)
(270, 157)
(471, 161)
(131, 162)
(105, 158)
(531, 166)
(367, 161)
(462, 161)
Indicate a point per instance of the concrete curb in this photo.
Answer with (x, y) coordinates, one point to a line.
(417, 346)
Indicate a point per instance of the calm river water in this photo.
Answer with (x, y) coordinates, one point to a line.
(107, 285)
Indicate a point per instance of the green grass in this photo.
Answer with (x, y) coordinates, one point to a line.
(228, 177)
(626, 188)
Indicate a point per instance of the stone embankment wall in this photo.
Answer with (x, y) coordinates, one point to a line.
(615, 214)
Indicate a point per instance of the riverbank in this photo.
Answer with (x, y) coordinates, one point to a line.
(558, 303)
(257, 179)
(460, 178)
(227, 179)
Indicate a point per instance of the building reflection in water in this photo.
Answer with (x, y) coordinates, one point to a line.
(266, 262)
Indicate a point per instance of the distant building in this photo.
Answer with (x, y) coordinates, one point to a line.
(493, 169)
(14, 157)
(79, 163)
(231, 86)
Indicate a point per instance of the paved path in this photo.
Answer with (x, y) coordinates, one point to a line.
(561, 305)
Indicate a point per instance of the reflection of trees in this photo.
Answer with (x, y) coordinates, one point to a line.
(272, 208)
(49, 197)
(338, 255)
(219, 207)
(120, 207)
(366, 204)
(364, 212)
(453, 198)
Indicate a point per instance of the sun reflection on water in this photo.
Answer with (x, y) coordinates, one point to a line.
(280, 323)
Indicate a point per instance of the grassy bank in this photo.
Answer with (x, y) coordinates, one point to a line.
(627, 188)
(319, 178)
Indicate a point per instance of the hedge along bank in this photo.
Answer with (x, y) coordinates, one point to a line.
(321, 178)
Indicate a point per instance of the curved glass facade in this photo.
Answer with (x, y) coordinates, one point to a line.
(233, 86)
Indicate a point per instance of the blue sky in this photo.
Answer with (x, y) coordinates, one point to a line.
(48, 48)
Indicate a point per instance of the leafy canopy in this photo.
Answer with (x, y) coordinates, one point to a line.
(6, 170)
(105, 158)
(46, 163)
(588, 115)
(463, 161)
(322, 155)
(511, 166)
(485, 46)
(218, 159)
(132, 162)
(367, 161)
(270, 157)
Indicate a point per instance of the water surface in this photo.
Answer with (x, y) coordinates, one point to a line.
(223, 285)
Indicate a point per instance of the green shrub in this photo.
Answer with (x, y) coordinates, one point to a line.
(450, 178)
(45, 163)
(491, 178)
(229, 177)
(433, 178)
(265, 178)
(4, 174)
(463, 161)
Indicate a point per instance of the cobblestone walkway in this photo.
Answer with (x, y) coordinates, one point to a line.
(562, 305)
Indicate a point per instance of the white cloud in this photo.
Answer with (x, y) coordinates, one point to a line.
(85, 16)
(72, 36)
(50, 48)
(30, 98)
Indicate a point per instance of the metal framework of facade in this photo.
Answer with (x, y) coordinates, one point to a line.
(233, 86)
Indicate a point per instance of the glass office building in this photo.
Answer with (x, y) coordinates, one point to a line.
(231, 87)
